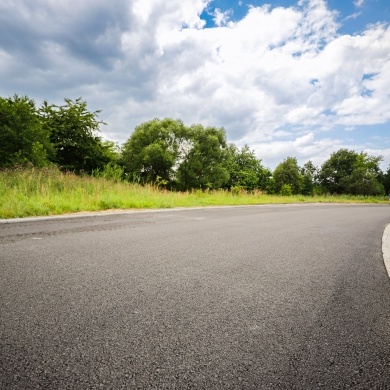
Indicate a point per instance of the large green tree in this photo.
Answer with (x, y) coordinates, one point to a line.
(288, 173)
(334, 170)
(181, 157)
(203, 164)
(245, 170)
(74, 134)
(154, 150)
(348, 172)
(365, 176)
(23, 139)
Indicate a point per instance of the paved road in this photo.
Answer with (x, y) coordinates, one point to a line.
(268, 297)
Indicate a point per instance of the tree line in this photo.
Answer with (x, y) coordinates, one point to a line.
(168, 153)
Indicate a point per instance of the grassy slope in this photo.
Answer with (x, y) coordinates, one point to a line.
(33, 192)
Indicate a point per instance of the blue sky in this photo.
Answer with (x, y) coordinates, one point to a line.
(297, 78)
(353, 16)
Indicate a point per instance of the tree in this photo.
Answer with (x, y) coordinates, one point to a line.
(385, 180)
(288, 172)
(73, 132)
(111, 151)
(184, 158)
(204, 162)
(309, 175)
(22, 136)
(347, 172)
(154, 150)
(364, 179)
(335, 169)
(245, 170)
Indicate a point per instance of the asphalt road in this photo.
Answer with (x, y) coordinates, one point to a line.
(267, 297)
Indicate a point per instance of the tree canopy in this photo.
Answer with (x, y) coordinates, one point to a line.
(287, 173)
(154, 149)
(179, 156)
(245, 170)
(203, 163)
(73, 133)
(167, 152)
(23, 138)
(65, 135)
(349, 172)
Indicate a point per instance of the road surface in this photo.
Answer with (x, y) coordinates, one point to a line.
(263, 297)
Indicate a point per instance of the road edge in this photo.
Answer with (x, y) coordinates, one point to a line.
(83, 214)
(386, 248)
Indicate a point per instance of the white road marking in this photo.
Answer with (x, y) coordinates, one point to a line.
(386, 248)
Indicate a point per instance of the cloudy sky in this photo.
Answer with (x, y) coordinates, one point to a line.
(299, 78)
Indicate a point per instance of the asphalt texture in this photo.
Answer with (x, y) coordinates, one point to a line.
(262, 297)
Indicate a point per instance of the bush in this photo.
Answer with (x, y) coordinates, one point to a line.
(286, 190)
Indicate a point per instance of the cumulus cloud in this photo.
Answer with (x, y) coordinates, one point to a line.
(316, 149)
(221, 18)
(280, 76)
(304, 148)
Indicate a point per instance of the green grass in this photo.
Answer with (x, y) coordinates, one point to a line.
(38, 192)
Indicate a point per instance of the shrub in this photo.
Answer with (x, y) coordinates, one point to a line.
(286, 190)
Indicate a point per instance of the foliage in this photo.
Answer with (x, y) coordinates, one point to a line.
(270, 188)
(349, 172)
(73, 132)
(286, 190)
(169, 155)
(203, 164)
(111, 171)
(335, 169)
(154, 149)
(31, 191)
(384, 178)
(288, 172)
(245, 170)
(175, 155)
(309, 174)
(364, 177)
(111, 151)
(22, 137)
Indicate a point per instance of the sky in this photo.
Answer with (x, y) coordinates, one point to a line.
(289, 78)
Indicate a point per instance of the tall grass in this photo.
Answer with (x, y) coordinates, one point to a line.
(31, 192)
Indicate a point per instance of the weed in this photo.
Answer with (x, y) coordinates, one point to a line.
(48, 191)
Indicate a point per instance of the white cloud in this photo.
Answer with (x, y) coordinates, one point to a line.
(308, 147)
(358, 3)
(221, 18)
(352, 16)
(304, 148)
(274, 76)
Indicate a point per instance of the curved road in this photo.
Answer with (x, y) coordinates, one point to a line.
(263, 297)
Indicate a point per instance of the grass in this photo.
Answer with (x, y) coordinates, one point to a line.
(38, 192)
